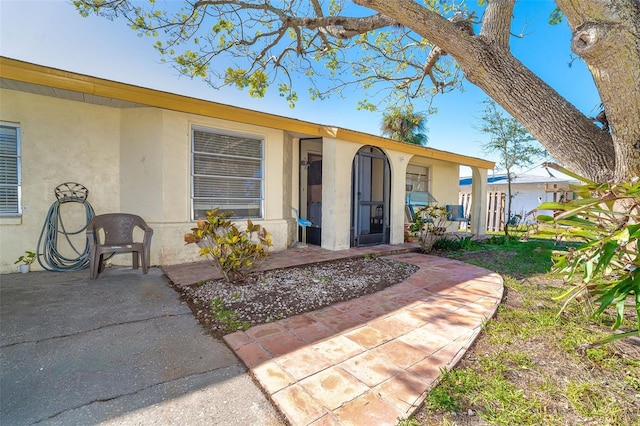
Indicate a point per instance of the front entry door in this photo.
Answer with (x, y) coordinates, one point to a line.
(370, 196)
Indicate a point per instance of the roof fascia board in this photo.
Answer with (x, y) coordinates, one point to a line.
(409, 148)
(37, 74)
(50, 77)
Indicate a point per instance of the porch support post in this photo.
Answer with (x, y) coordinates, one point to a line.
(398, 162)
(479, 187)
(337, 161)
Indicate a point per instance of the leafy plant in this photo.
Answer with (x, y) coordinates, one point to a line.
(606, 218)
(466, 242)
(497, 240)
(27, 259)
(227, 316)
(236, 252)
(428, 225)
(446, 244)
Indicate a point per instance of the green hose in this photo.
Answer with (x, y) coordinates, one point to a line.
(49, 257)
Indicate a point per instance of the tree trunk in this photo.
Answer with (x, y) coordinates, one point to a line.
(606, 34)
(509, 198)
(571, 137)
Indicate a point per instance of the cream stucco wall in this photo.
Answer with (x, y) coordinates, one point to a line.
(61, 141)
(444, 182)
(138, 160)
(141, 163)
(337, 162)
(134, 160)
(290, 178)
(398, 162)
(479, 206)
(163, 158)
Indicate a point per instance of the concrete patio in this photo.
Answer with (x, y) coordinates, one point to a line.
(120, 350)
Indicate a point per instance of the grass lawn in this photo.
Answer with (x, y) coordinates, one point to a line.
(527, 367)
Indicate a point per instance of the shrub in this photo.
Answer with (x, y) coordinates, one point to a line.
(235, 252)
(428, 225)
(446, 244)
(466, 242)
(606, 218)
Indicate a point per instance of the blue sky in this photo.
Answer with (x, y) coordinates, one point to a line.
(52, 33)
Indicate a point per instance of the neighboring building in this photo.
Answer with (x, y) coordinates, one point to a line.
(169, 158)
(527, 191)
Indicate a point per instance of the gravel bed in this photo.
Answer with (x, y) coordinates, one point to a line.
(271, 295)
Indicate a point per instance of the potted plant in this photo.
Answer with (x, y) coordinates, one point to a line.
(26, 260)
(408, 234)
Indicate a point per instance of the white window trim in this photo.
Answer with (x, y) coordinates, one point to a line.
(19, 169)
(232, 133)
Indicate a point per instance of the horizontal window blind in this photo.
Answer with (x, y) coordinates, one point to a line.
(227, 173)
(9, 170)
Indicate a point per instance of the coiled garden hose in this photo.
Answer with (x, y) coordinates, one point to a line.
(48, 255)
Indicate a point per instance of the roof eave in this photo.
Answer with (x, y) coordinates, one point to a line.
(37, 74)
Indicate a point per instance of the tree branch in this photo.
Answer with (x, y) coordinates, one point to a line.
(519, 91)
(496, 25)
(464, 23)
(342, 27)
(607, 36)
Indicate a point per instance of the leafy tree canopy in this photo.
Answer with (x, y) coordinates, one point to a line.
(404, 51)
(513, 144)
(405, 125)
(340, 47)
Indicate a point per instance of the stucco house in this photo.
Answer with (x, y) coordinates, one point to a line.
(528, 192)
(169, 158)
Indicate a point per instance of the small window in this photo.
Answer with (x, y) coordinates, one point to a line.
(418, 178)
(10, 170)
(227, 171)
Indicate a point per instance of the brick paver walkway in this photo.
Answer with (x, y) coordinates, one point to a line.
(369, 361)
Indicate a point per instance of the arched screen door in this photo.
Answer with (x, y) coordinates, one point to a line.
(370, 196)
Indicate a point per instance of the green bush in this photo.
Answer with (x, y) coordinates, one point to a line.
(428, 225)
(235, 252)
(606, 218)
(447, 244)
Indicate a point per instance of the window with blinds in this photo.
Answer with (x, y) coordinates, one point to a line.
(227, 171)
(10, 170)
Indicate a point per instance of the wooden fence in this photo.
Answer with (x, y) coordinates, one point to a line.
(495, 210)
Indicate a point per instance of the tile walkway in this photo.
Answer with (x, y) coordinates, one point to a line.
(373, 359)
